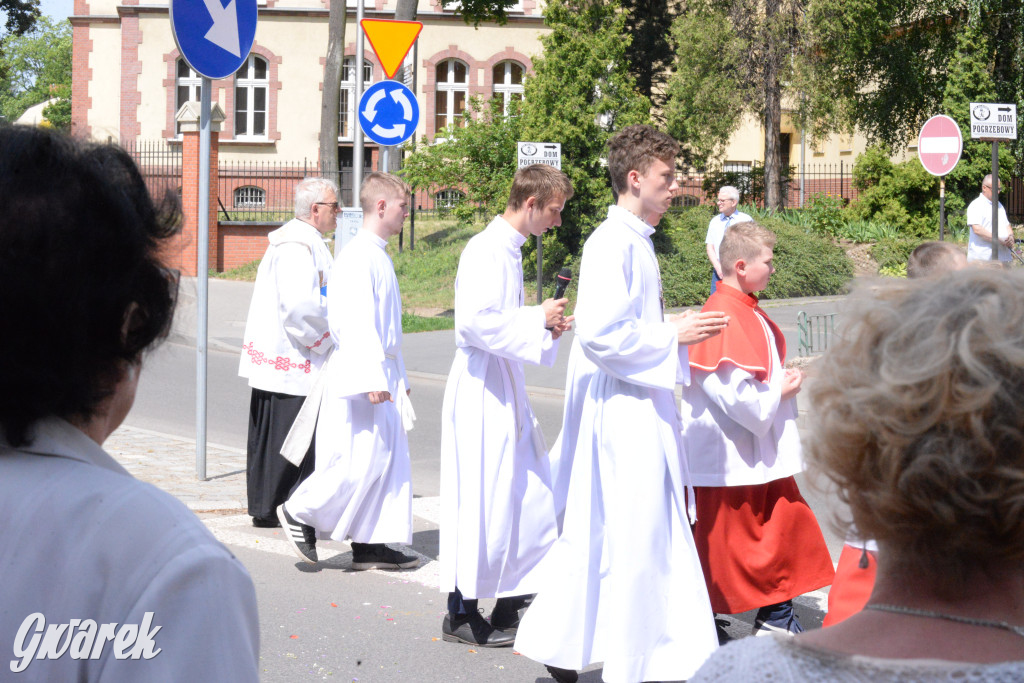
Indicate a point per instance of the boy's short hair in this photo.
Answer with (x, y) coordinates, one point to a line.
(541, 181)
(634, 148)
(935, 258)
(377, 185)
(743, 241)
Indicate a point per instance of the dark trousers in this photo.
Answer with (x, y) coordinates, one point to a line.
(714, 280)
(269, 478)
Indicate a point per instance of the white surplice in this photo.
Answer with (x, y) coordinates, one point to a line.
(623, 584)
(497, 511)
(361, 489)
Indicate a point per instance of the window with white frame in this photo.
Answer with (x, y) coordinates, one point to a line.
(250, 197)
(347, 103)
(187, 87)
(452, 92)
(251, 88)
(448, 199)
(508, 82)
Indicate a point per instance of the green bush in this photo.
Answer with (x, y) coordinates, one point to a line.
(806, 264)
(893, 252)
(826, 214)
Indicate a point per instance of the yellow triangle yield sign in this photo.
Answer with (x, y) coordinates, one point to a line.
(391, 40)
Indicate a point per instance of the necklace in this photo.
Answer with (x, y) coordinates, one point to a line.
(991, 623)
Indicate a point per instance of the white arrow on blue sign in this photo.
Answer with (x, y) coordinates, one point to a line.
(388, 113)
(214, 38)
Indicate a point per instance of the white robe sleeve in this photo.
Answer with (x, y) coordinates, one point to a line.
(298, 288)
(353, 314)
(610, 326)
(746, 401)
(486, 319)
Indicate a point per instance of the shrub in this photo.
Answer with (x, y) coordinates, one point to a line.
(806, 264)
(893, 252)
(825, 213)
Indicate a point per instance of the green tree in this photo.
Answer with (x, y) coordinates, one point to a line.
(732, 58)
(580, 94)
(18, 16)
(35, 67)
(648, 24)
(886, 66)
(477, 157)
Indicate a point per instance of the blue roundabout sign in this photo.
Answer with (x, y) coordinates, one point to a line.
(388, 113)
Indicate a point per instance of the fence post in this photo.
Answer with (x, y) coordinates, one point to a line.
(188, 116)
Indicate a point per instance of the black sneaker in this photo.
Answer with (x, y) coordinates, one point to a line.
(473, 629)
(302, 536)
(379, 556)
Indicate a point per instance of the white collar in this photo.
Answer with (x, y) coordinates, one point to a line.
(59, 438)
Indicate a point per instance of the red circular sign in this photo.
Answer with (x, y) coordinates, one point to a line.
(939, 145)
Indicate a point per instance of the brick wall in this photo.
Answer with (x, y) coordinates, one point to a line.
(241, 243)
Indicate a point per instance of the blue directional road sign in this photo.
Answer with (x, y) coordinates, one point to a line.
(388, 113)
(213, 38)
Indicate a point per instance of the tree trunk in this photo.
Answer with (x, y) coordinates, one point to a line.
(332, 90)
(772, 108)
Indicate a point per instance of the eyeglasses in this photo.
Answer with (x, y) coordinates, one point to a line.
(333, 205)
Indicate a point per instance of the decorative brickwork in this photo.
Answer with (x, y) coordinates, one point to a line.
(131, 68)
(185, 248)
(81, 74)
(430, 84)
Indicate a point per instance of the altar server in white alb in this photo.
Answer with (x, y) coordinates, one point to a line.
(623, 583)
(285, 344)
(361, 489)
(497, 511)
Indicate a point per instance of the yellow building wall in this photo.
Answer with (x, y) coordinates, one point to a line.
(105, 86)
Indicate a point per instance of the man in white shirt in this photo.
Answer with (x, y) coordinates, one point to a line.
(286, 341)
(728, 200)
(497, 509)
(979, 220)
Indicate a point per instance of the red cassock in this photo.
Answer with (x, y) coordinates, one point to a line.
(853, 584)
(758, 544)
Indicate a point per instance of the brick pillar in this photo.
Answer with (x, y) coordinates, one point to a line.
(188, 116)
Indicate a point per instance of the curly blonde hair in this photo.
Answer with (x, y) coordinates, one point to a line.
(919, 421)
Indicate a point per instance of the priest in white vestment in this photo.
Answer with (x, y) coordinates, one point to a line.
(623, 583)
(361, 488)
(497, 510)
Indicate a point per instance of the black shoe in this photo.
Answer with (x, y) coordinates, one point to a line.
(474, 630)
(379, 556)
(562, 675)
(508, 612)
(302, 536)
(265, 522)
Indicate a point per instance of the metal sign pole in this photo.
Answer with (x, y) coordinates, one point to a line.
(202, 272)
(995, 201)
(540, 270)
(942, 208)
(357, 142)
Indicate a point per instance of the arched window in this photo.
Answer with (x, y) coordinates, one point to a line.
(347, 104)
(187, 87)
(452, 92)
(508, 82)
(251, 85)
(448, 199)
(250, 197)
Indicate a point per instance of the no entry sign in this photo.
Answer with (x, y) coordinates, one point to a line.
(939, 145)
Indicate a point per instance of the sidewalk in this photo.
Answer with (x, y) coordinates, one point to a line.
(169, 461)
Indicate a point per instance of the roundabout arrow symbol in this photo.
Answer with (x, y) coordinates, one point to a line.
(395, 131)
(400, 97)
(371, 104)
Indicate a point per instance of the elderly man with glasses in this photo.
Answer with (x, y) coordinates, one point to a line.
(285, 344)
(728, 199)
(979, 219)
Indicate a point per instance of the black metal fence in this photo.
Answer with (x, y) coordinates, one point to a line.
(264, 191)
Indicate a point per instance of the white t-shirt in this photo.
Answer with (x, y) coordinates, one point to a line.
(979, 212)
(720, 223)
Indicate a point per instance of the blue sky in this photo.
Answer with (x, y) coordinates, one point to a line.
(58, 9)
